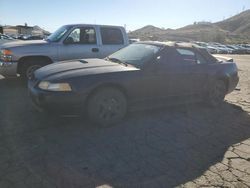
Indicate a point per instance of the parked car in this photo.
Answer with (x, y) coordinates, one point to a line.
(68, 42)
(34, 37)
(223, 49)
(5, 38)
(21, 36)
(145, 74)
(245, 50)
(133, 40)
(237, 50)
(210, 49)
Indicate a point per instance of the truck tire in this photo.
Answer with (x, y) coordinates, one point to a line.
(30, 66)
(106, 106)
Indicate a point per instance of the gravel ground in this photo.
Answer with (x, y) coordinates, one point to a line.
(182, 146)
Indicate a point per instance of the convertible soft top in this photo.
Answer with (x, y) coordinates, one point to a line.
(187, 45)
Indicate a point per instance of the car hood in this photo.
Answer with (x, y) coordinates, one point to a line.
(82, 67)
(18, 43)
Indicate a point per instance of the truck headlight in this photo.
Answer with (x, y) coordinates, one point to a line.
(45, 85)
(6, 55)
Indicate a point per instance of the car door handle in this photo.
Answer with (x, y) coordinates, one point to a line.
(95, 49)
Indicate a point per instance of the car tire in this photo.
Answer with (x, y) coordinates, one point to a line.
(106, 106)
(217, 93)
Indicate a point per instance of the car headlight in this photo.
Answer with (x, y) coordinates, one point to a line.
(6, 55)
(45, 85)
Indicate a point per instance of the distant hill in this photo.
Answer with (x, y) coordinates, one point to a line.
(233, 30)
(150, 32)
(238, 24)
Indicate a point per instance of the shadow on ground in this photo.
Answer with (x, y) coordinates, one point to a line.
(157, 148)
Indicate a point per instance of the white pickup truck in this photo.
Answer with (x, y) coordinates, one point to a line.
(68, 42)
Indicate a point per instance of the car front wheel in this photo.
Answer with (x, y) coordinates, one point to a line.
(217, 93)
(107, 106)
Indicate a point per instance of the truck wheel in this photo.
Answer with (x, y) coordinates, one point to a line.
(107, 106)
(29, 67)
(217, 93)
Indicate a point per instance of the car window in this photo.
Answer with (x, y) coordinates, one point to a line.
(200, 59)
(82, 36)
(187, 56)
(111, 36)
(168, 56)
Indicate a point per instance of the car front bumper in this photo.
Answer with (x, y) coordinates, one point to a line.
(8, 68)
(57, 102)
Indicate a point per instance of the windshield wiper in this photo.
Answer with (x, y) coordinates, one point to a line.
(115, 60)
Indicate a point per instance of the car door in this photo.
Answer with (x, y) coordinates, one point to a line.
(189, 73)
(178, 73)
(155, 79)
(80, 43)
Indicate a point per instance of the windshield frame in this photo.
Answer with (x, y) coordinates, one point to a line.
(63, 30)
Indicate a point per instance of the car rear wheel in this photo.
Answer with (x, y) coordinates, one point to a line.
(217, 93)
(107, 106)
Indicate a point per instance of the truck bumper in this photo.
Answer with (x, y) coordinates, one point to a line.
(8, 68)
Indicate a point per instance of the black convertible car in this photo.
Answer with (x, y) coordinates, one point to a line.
(143, 74)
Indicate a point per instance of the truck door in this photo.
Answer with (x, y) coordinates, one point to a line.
(112, 40)
(80, 43)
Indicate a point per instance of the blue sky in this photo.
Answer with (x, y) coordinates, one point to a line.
(51, 14)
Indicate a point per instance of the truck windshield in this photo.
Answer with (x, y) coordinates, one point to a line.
(58, 34)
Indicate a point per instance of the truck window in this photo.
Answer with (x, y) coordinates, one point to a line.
(111, 36)
(58, 34)
(84, 35)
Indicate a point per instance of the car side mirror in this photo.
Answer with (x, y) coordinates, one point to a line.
(152, 65)
(69, 40)
(157, 59)
(156, 63)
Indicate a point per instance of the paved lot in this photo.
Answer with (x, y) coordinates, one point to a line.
(182, 146)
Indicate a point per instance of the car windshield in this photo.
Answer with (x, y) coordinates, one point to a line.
(135, 54)
(58, 34)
